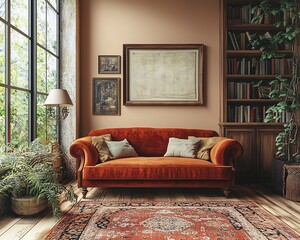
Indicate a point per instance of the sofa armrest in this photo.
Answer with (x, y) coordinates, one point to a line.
(226, 152)
(84, 149)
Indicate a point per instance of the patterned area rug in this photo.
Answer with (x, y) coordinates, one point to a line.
(171, 221)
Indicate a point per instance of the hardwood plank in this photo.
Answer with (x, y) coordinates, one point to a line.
(162, 194)
(112, 194)
(17, 231)
(176, 195)
(7, 222)
(125, 195)
(274, 207)
(39, 230)
(97, 193)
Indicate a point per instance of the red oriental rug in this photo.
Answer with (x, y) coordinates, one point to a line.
(173, 221)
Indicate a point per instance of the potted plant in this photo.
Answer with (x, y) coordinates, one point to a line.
(32, 180)
(262, 12)
(284, 90)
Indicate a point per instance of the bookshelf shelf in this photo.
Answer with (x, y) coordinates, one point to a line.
(251, 125)
(254, 53)
(253, 27)
(239, 77)
(255, 101)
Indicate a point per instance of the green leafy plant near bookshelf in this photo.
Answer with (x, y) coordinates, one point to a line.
(286, 90)
(30, 173)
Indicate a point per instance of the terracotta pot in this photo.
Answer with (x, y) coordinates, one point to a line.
(28, 206)
(267, 19)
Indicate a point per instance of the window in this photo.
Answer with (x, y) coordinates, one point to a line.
(29, 68)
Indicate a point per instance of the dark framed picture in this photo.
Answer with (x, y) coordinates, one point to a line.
(109, 64)
(106, 96)
(163, 74)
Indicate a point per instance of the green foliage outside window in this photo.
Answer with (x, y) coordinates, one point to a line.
(19, 117)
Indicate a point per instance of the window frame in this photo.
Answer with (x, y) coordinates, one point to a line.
(33, 44)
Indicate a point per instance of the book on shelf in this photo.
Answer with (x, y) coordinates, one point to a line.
(251, 66)
(238, 41)
(243, 41)
(252, 114)
(242, 90)
(237, 14)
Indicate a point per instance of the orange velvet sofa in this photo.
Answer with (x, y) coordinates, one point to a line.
(151, 168)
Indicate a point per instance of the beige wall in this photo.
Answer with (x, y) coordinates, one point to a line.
(105, 25)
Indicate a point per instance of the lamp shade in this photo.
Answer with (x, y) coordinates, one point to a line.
(58, 97)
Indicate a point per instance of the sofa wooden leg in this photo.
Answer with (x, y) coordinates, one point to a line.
(227, 192)
(84, 192)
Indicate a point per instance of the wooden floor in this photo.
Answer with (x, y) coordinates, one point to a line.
(32, 228)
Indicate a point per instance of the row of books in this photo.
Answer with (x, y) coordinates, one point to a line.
(242, 90)
(243, 15)
(239, 41)
(248, 114)
(254, 66)
(239, 14)
(243, 41)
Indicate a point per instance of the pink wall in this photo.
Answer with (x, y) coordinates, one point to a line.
(106, 25)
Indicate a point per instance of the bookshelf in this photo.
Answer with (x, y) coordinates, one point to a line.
(244, 103)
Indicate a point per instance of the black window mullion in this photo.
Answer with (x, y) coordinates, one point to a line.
(58, 127)
(58, 43)
(7, 74)
(33, 70)
(46, 61)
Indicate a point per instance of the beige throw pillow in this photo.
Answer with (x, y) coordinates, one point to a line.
(182, 147)
(100, 145)
(206, 144)
(120, 149)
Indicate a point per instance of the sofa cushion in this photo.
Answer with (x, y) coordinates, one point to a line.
(205, 145)
(99, 143)
(182, 147)
(120, 149)
(157, 168)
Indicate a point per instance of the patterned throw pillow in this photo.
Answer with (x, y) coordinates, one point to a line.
(182, 147)
(120, 149)
(100, 145)
(206, 144)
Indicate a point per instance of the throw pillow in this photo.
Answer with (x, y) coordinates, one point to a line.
(121, 149)
(206, 144)
(99, 143)
(182, 147)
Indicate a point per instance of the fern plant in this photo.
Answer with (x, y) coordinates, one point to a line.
(31, 174)
(284, 90)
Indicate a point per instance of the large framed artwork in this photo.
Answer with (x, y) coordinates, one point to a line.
(106, 96)
(163, 74)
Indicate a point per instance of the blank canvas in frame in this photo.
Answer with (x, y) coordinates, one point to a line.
(163, 74)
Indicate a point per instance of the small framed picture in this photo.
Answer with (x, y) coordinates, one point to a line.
(106, 96)
(109, 64)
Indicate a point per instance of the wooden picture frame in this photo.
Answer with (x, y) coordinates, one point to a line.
(109, 64)
(163, 74)
(106, 96)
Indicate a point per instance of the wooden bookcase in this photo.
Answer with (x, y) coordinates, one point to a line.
(244, 104)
